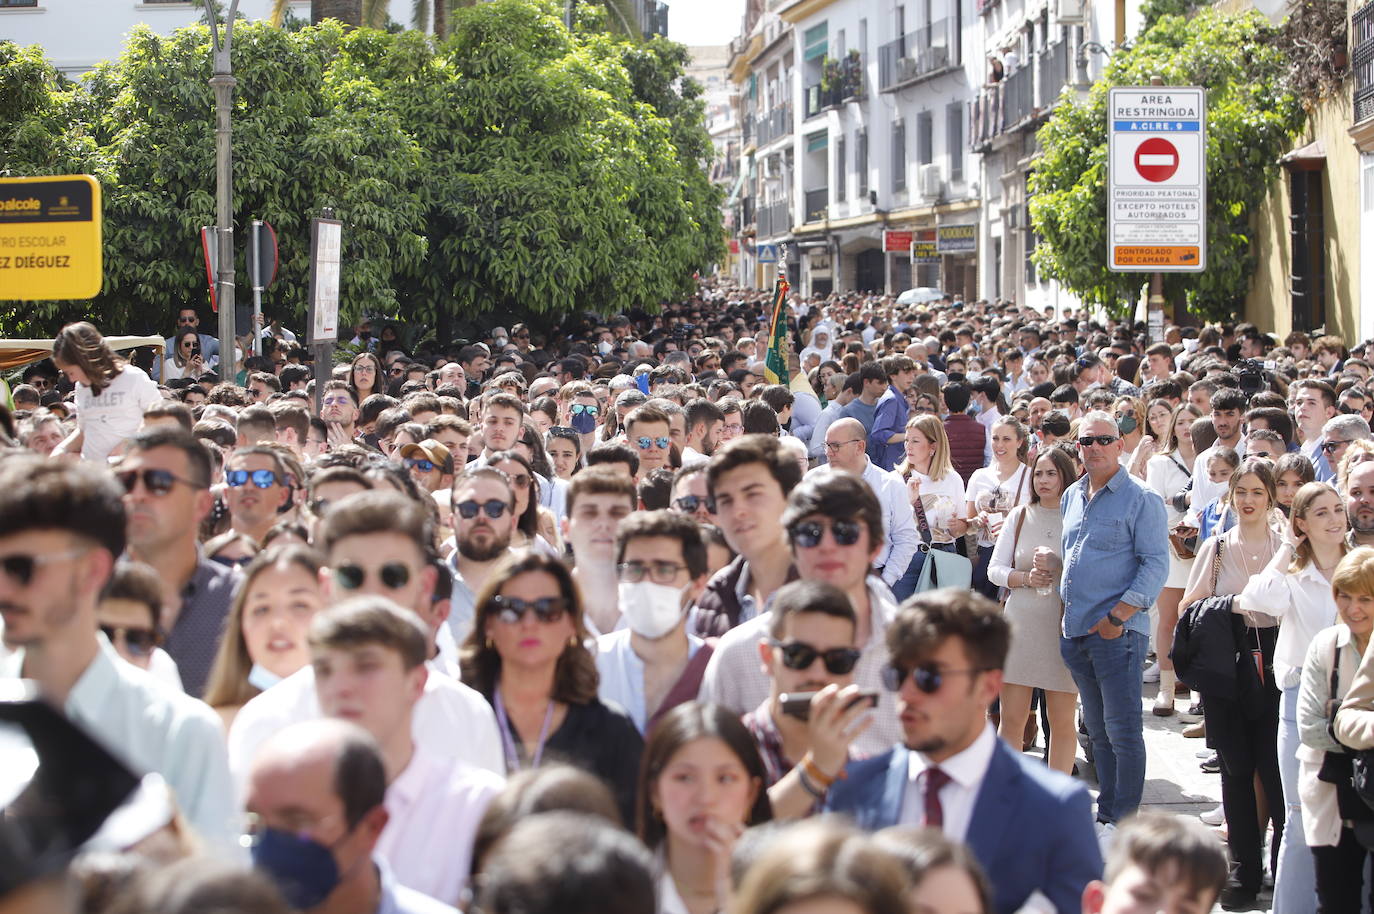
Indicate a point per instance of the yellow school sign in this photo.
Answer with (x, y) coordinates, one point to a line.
(50, 237)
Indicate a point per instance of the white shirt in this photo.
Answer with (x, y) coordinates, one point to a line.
(966, 771)
(987, 418)
(984, 483)
(164, 669)
(816, 447)
(943, 500)
(155, 728)
(434, 808)
(1165, 475)
(450, 721)
(1204, 490)
(116, 414)
(691, 457)
(1304, 604)
(622, 673)
(736, 679)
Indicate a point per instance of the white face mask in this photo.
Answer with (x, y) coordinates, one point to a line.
(651, 610)
(604, 347)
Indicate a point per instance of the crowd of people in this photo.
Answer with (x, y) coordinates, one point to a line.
(600, 616)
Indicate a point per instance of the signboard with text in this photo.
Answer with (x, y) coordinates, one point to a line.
(1157, 179)
(925, 249)
(326, 252)
(896, 241)
(50, 238)
(957, 239)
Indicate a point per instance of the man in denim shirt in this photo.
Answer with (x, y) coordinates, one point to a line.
(1114, 568)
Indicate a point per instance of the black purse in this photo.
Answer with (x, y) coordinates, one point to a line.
(1350, 770)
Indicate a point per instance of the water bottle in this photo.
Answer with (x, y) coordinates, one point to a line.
(1046, 559)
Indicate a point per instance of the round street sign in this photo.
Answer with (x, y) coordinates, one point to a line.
(1156, 159)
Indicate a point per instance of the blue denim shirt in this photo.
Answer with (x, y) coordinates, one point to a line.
(1113, 552)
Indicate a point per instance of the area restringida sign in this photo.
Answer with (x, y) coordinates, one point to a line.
(50, 238)
(1157, 179)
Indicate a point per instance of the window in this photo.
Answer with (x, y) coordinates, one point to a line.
(816, 142)
(925, 139)
(16, 3)
(815, 42)
(839, 169)
(861, 160)
(898, 156)
(863, 37)
(954, 115)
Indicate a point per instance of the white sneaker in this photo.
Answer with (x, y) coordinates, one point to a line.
(1152, 672)
(1213, 817)
(1106, 832)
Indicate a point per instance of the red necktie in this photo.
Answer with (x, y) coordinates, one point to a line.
(935, 813)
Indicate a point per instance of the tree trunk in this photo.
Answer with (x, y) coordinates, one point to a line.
(349, 12)
(440, 19)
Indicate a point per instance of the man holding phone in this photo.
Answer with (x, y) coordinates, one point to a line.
(814, 710)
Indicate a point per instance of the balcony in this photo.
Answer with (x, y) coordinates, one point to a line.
(985, 117)
(817, 204)
(841, 81)
(1052, 72)
(1362, 60)
(774, 219)
(919, 54)
(1023, 98)
(1018, 95)
(775, 125)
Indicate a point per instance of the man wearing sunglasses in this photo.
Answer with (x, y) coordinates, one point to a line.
(652, 664)
(483, 523)
(844, 445)
(257, 490)
(690, 495)
(165, 475)
(834, 527)
(429, 464)
(369, 658)
(648, 431)
(378, 543)
(1337, 434)
(1029, 827)
(62, 527)
(1115, 534)
(599, 499)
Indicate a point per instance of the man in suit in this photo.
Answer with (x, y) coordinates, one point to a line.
(1029, 827)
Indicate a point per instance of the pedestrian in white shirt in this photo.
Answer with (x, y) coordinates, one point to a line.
(369, 658)
(111, 394)
(994, 490)
(1228, 409)
(599, 499)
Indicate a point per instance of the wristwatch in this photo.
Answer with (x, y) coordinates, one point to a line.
(1115, 621)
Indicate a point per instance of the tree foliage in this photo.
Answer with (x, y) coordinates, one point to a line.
(515, 167)
(1251, 119)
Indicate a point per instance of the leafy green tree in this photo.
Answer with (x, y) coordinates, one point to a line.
(1251, 119)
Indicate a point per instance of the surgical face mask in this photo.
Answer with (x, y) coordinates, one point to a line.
(1125, 424)
(974, 409)
(604, 347)
(261, 678)
(585, 423)
(501, 341)
(651, 610)
(303, 869)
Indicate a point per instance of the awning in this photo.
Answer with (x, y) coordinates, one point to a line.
(1311, 157)
(18, 353)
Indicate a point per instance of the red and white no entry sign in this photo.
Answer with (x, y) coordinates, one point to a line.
(1156, 159)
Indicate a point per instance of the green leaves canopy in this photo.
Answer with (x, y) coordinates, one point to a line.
(1251, 120)
(515, 167)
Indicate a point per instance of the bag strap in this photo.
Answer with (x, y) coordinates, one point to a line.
(1016, 538)
(922, 523)
(1216, 563)
(1025, 471)
(1335, 669)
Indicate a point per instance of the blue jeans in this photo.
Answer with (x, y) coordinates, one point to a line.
(1295, 886)
(1108, 675)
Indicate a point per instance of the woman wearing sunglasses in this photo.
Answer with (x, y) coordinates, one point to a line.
(526, 487)
(1245, 730)
(130, 616)
(1027, 560)
(186, 360)
(526, 655)
(264, 635)
(701, 786)
(111, 394)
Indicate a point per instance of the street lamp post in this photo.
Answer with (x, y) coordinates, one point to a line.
(223, 83)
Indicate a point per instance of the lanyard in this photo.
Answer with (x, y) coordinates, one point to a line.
(508, 742)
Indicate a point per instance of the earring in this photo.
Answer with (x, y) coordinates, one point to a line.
(572, 642)
(490, 644)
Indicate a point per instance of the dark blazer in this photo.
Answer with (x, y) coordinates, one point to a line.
(1032, 828)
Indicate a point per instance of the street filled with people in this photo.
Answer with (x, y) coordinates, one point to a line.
(756, 604)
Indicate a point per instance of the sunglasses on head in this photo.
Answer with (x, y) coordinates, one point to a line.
(393, 575)
(513, 609)
(927, 679)
(20, 568)
(562, 431)
(419, 463)
(1103, 440)
(263, 479)
(138, 641)
(580, 408)
(688, 504)
(809, 535)
(157, 482)
(492, 507)
(798, 655)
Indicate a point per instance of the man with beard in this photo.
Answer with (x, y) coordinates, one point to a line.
(704, 419)
(483, 521)
(339, 411)
(1359, 503)
(166, 479)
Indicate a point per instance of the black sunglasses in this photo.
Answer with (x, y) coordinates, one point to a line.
(798, 655)
(1103, 440)
(20, 568)
(513, 609)
(562, 431)
(394, 576)
(157, 482)
(1330, 447)
(688, 504)
(809, 535)
(139, 641)
(263, 479)
(926, 678)
(492, 507)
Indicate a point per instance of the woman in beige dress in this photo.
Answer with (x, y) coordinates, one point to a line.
(1027, 560)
